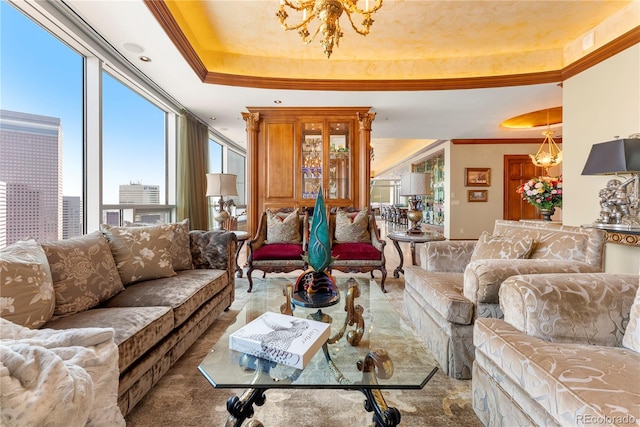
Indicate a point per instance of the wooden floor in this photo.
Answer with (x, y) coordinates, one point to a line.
(390, 252)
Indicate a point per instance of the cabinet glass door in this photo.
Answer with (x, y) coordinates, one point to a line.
(312, 159)
(339, 161)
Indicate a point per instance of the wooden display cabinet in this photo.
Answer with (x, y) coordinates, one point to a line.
(292, 153)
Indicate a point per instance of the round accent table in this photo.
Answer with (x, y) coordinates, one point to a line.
(242, 237)
(402, 236)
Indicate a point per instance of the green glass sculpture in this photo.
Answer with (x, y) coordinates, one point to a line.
(319, 254)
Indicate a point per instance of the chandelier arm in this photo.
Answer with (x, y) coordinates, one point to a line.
(298, 6)
(352, 7)
(356, 29)
(313, 36)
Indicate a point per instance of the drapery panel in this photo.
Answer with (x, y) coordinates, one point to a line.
(192, 168)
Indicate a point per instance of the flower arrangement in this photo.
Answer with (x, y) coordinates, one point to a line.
(543, 192)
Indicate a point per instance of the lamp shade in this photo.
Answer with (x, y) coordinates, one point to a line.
(415, 184)
(618, 156)
(221, 184)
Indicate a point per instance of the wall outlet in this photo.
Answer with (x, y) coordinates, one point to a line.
(462, 231)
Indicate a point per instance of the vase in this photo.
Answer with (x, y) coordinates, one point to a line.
(546, 213)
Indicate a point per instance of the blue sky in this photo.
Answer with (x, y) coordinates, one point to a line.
(41, 75)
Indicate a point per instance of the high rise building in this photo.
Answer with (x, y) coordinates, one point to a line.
(71, 217)
(31, 167)
(111, 218)
(3, 214)
(138, 194)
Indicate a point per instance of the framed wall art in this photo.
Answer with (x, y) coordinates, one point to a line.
(477, 177)
(477, 195)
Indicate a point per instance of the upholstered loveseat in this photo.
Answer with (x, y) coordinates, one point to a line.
(567, 352)
(158, 288)
(458, 281)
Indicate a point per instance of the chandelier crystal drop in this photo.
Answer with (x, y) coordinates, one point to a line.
(328, 13)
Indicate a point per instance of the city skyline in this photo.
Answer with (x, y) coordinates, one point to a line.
(133, 128)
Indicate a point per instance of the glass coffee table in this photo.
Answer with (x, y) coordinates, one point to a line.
(371, 349)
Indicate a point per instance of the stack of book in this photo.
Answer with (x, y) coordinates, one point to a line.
(289, 340)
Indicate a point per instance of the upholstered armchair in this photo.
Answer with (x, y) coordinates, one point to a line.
(566, 353)
(459, 281)
(356, 244)
(279, 243)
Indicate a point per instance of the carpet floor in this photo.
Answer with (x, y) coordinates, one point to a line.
(183, 397)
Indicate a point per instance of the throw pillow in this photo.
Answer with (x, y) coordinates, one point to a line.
(141, 253)
(500, 247)
(283, 228)
(180, 245)
(26, 288)
(631, 338)
(352, 228)
(83, 271)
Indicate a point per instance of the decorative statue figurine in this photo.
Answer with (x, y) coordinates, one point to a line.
(315, 287)
(619, 205)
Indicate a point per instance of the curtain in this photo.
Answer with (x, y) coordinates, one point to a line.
(192, 168)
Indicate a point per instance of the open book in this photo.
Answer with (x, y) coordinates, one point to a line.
(289, 340)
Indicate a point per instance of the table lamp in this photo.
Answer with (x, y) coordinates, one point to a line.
(619, 200)
(220, 185)
(415, 184)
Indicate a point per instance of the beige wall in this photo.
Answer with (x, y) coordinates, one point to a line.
(599, 104)
(467, 220)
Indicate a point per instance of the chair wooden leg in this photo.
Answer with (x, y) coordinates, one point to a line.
(383, 270)
(249, 271)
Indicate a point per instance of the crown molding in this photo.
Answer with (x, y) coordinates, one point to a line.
(166, 20)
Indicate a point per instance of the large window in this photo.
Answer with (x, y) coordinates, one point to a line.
(236, 165)
(133, 154)
(41, 132)
(85, 137)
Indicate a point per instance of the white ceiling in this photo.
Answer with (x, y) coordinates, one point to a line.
(405, 121)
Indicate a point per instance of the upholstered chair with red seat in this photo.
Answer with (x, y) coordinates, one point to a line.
(279, 243)
(356, 244)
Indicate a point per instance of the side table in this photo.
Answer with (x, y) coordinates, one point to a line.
(242, 236)
(402, 236)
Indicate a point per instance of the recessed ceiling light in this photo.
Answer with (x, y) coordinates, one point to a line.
(212, 117)
(277, 101)
(145, 58)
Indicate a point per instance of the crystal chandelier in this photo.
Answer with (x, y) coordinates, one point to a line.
(547, 159)
(328, 13)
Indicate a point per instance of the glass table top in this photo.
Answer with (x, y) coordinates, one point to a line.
(384, 331)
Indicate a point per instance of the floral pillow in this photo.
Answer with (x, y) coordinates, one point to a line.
(500, 247)
(283, 228)
(26, 288)
(83, 271)
(180, 246)
(352, 228)
(141, 253)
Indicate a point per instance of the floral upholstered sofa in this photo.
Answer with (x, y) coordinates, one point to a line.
(566, 354)
(459, 281)
(155, 288)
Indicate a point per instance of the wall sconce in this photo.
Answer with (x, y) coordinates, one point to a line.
(619, 200)
(220, 185)
(415, 184)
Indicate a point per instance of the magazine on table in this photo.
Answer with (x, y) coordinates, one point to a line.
(281, 338)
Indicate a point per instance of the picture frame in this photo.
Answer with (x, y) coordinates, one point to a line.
(477, 195)
(477, 177)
